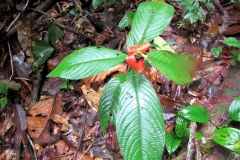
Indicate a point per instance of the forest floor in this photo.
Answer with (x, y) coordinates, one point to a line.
(42, 121)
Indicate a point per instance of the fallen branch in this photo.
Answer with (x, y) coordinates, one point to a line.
(191, 142)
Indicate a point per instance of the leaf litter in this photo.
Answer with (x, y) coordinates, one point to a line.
(53, 127)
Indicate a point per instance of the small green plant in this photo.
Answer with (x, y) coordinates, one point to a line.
(97, 3)
(233, 42)
(193, 10)
(3, 91)
(42, 50)
(129, 100)
(225, 136)
(76, 13)
(66, 85)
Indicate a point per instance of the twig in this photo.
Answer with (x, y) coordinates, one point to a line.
(191, 143)
(69, 28)
(83, 132)
(34, 15)
(18, 16)
(36, 87)
(89, 148)
(10, 53)
(78, 5)
(221, 8)
(198, 152)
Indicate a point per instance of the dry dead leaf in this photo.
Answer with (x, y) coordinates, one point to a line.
(26, 30)
(214, 29)
(66, 153)
(92, 96)
(39, 126)
(96, 81)
(60, 119)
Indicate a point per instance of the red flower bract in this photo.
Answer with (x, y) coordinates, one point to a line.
(142, 48)
(138, 65)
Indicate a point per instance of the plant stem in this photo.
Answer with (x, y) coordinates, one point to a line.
(226, 123)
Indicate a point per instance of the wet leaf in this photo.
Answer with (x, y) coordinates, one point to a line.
(194, 113)
(139, 120)
(149, 21)
(228, 137)
(234, 109)
(173, 66)
(87, 62)
(181, 126)
(109, 101)
(126, 20)
(172, 142)
(42, 52)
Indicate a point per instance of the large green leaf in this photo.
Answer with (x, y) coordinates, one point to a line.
(109, 101)
(234, 109)
(42, 52)
(175, 67)
(87, 62)
(149, 21)
(228, 137)
(139, 122)
(231, 41)
(172, 142)
(194, 113)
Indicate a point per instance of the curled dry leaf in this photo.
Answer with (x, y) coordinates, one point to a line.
(39, 126)
(92, 96)
(60, 119)
(96, 81)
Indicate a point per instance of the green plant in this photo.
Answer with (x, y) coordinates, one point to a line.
(129, 100)
(66, 85)
(233, 42)
(3, 91)
(97, 3)
(193, 10)
(42, 50)
(184, 117)
(76, 13)
(225, 136)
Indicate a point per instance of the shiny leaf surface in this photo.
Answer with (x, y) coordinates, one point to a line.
(149, 21)
(139, 122)
(87, 62)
